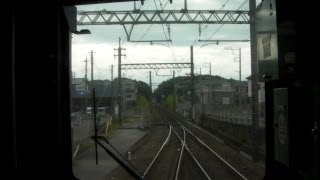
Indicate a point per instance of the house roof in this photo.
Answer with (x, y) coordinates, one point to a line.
(260, 77)
(249, 77)
(101, 90)
(77, 81)
(80, 93)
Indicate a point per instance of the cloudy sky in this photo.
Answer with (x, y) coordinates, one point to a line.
(104, 39)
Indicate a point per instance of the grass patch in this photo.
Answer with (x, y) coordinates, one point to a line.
(111, 127)
(131, 119)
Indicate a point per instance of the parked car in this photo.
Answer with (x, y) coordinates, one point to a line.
(102, 111)
(89, 110)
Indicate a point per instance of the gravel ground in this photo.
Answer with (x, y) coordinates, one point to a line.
(251, 170)
(142, 157)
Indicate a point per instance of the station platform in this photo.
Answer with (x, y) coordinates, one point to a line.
(122, 138)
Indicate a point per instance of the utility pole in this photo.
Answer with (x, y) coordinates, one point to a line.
(239, 57)
(239, 64)
(209, 67)
(112, 110)
(112, 73)
(254, 75)
(174, 93)
(91, 55)
(120, 99)
(86, 74)
(150, 82)
(192, 86)
(95, 122)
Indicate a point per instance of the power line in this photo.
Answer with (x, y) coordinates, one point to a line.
(125, 37)
(242, 4)
(221, 24)
(149, 26)
(171, 48)
(224, 4)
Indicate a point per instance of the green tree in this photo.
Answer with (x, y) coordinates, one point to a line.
(142, 102)
(166, 87)
(169, 102)
(144, 89)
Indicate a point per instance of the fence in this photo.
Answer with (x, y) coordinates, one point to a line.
(236, 114)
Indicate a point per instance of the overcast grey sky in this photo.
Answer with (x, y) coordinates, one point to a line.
(104, 39)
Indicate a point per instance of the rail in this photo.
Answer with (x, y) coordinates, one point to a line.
(193, 157)
(173, 116)
(180, 156)
(152, 162)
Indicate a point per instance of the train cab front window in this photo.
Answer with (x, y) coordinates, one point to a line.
(167, 90)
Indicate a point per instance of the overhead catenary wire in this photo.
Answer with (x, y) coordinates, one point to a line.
(170, 44)
(171, 48)
(221, 24)
(242, 4)
(148, 28)
(195, 41)
(125, 37)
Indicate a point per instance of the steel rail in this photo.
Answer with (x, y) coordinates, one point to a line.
(152, 162)
(216, 154)
(191, 154)
(76, 151)
(180, 157)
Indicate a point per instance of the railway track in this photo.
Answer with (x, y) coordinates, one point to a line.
(178, 150)
(184, 155)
